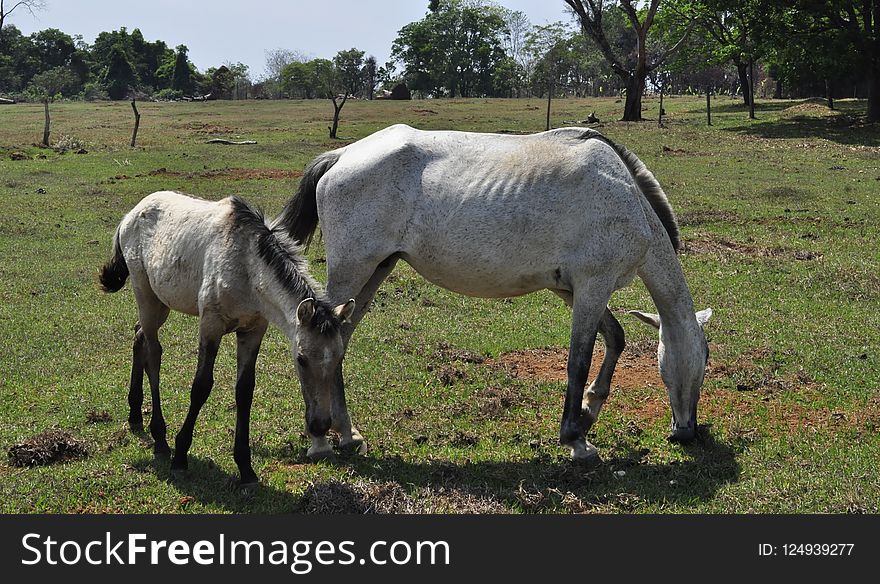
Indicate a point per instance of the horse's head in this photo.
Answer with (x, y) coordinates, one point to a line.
(318, 351)
(682, 355)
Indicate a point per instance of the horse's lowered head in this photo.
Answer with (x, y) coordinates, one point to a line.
(318, 351)
(682, 355)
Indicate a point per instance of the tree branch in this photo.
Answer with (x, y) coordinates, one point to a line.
(675, 47)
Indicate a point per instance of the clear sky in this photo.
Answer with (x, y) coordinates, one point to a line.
(241, 31)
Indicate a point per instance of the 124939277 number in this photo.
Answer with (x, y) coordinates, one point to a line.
(817, 549)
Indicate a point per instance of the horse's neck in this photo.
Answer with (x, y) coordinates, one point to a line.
(278, 303)
(664, 279)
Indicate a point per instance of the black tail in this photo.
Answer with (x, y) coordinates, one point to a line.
(115, 272)
(300, 216)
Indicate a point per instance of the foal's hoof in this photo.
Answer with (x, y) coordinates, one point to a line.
(161, 451)
(136, 427)
(248, 485)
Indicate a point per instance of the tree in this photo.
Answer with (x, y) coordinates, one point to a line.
(182, 78)
(454, 50)
(48, 86)
(349, 67)
(119, 76)
(276, 61)
(7, 7)
(633, 71)
(371, 76)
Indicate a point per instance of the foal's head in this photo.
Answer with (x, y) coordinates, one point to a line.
(318, 352)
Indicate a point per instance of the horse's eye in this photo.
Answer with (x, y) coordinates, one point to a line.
(303, 362)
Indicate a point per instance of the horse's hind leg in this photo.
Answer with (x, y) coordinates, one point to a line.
(598, 392)
(344, 283)
(152, 315)
(136, 385)
(588, 308)
(246, 356)
(210, 334)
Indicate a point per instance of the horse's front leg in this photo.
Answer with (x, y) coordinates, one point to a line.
(209, 343)
(589, 304)
(344, 283)
(246, 356)
(598, 392)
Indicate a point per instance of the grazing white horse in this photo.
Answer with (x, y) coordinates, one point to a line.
(492, 215)
(222, 262)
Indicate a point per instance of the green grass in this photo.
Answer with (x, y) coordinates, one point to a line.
(780, 220)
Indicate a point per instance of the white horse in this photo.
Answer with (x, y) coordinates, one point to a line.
(499, 215)
(222, 262)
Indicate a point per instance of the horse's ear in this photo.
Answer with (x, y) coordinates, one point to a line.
(305, 312)
(703, 316)
(344, 311)
(647, 318)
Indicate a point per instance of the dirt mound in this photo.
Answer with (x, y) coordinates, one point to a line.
(230, 173)
(47, 448)
(705, 244)
(636, 367)
(810, 108)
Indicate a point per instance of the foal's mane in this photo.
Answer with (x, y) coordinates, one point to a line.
(647, 184)
(284, 257)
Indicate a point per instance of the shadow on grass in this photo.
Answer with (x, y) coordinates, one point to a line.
(551, 484)
(845, 128)
(209, 484)
(544, 484)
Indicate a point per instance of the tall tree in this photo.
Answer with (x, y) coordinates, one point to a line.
(181, 78)
(633, 71)
(119, 76)
(371, 76)
(7, 7)
(48, 86)
(349, 67)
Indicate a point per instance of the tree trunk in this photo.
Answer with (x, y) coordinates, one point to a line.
(742, 70)
(778, 93)
(632, 108)
(874, 92)
(751, 89)
(46, 124)
(549, 100)
(137, 123)
(708, 107)
(829, 93)
(336, 109)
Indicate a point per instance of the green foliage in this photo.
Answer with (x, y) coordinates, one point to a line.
(52, 84)
(182, 75)
(453, 51)
(350, 69)
(119, 76)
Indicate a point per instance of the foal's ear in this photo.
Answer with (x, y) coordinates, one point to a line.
(703, 316)
(305, 312)
(647, 318)
(344, 311)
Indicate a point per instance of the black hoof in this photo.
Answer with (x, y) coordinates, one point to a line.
(161, 451)
(136, 427)
(249, 483)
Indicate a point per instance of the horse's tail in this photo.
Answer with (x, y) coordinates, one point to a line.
(300, 215)
(648, 185)
(115, 272)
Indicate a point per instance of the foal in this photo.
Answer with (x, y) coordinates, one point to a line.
(221, 262)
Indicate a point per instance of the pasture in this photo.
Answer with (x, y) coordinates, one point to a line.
(458, 398)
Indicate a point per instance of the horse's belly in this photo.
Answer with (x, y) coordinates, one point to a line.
(483, 281)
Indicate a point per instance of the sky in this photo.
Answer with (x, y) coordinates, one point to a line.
(222, 31)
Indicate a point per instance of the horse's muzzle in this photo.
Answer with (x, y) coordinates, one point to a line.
(683, 434)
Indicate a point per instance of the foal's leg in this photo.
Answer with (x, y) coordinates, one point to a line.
(151, 316)
(246, 356)
(210, 333)
(599, 390)
(136, 385)
(587, 312)
(363, 289)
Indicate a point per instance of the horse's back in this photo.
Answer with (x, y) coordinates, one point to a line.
(173, 243)
(486, 214)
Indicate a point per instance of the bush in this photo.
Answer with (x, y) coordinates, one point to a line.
(95, 92)
(168, 95)
(66, 143)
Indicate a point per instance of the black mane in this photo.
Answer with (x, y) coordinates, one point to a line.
(284, 258)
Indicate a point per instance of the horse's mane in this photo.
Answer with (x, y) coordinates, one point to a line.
(284, 257)
(647, 184)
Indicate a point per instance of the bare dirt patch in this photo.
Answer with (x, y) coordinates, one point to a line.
(47, 448)
(205, 128)
(636, 367)
(705, 244)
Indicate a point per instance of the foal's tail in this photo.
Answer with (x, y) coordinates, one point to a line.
(300, 216)
(115, 272)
